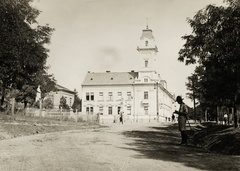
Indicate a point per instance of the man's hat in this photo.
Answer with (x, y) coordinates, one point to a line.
(179, 98)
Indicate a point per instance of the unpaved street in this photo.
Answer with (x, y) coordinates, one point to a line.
(132, 147)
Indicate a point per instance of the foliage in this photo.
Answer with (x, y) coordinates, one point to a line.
(63, 103)
(23, 53)
(214, 45)
(77, 103)
(48, 103)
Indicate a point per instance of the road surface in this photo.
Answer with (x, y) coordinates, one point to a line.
(131, 147)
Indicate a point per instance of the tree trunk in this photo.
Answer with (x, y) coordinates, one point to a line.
(25, 104)
(235, 112)
(217, 116)
(235, 116)
(2, 100)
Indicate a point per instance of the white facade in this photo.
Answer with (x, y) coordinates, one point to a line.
(59, 93)
(141, 95)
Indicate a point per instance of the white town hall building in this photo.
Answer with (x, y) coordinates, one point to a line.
(142, 95)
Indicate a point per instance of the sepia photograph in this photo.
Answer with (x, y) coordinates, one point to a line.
(119, 85)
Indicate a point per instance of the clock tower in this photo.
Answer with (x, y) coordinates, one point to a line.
(148, 52)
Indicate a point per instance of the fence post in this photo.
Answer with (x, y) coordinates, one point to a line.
(76, 115)
(61, 117)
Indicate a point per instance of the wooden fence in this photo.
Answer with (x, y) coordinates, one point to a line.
(64, 115)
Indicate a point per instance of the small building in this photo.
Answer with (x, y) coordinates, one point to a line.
(59, 93)
(142, 95)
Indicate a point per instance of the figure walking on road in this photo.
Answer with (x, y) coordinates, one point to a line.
(182, 119)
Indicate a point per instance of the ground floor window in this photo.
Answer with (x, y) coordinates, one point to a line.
(100, 110)
(129, 110)
(89, 110)
(146, 110)
(110, 110)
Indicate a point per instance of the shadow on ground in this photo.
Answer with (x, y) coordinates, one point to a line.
(162, 143)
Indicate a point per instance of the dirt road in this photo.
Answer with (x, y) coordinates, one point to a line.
(132, 147)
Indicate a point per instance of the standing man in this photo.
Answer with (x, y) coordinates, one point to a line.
(121, 117)
(182, 119)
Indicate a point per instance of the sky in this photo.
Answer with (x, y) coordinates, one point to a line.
(101, 35)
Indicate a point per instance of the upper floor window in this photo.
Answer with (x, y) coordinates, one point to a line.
(119, 95)
(145, 95)
(146, 63)
(101, 95)
(92, 95)
(129, 95)
(110, 96)
(145, 80)
(89, 96)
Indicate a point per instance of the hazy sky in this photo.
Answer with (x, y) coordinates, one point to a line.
(89, 30)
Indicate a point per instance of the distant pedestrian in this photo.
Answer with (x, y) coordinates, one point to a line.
(173, 118)
(121, 117)
(182, 119)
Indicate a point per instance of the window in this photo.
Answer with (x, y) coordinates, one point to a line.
(129, 110)
(91, 110)
(129, 95)
(146, 63)
(146, 43)
(145, 80)
(119, 95)
(100, 95)
(92, 95)
(101, 110)
(70, 101)
(87, 110)
(110, 110)
(145, 95)
(109, 95)
(87, 96)
(146, 110)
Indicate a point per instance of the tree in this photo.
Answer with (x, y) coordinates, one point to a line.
(63, 103)
(23, 53)
(48, 103)
(77, 102)
(215, 45)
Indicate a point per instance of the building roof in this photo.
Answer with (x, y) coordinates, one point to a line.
(61, 88)
(110, 78)
(147, 33)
